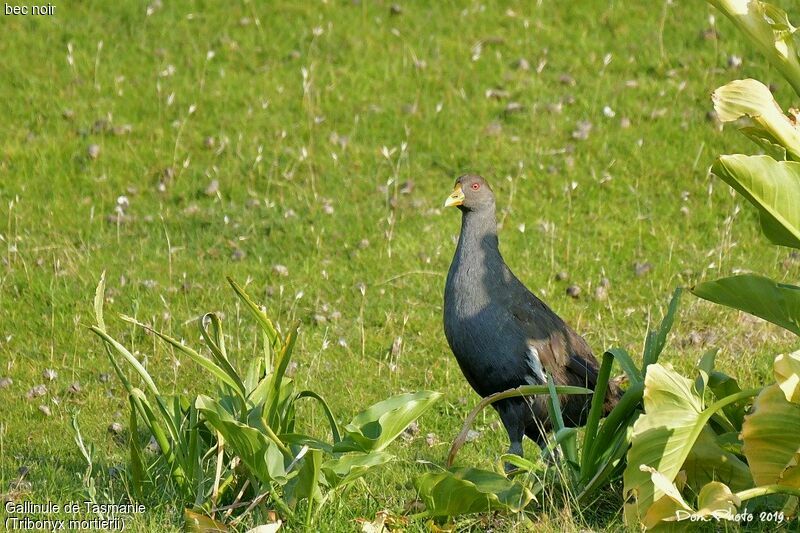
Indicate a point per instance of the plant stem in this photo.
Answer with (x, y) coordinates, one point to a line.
(765, 490)
(524, 390)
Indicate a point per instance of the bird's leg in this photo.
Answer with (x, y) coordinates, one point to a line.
(538, 434)
(511, 414)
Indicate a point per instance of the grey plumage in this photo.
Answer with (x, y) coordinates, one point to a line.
(501, 334)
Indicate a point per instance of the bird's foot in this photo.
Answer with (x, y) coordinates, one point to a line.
(514, 449)
(551, 456)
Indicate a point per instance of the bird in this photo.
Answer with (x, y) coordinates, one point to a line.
(502, 335)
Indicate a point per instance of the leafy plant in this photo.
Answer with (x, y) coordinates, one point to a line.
(770, 182)
(469, 490)
(237, 446)
(587, 468)
(706, 440)
(683, 445)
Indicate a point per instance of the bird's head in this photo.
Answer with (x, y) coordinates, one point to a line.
(471, 193)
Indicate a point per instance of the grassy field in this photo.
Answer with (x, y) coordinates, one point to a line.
(306, 148)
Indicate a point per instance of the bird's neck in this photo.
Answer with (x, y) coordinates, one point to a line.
(478, 237)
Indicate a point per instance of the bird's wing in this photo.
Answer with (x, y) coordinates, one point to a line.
(560, 351)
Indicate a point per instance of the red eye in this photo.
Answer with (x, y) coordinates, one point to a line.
(476, 186)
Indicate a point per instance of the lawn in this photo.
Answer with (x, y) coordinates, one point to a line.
(305, 149)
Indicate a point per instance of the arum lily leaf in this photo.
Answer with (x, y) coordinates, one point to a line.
(669, 506)
(717, 500)
(775, 302)
(665, 435)
(377, 426)
(773, 187)
(752, 99)
(767, 27)
(723, 385)
(708, 461)
(307, 485)
(200, 523)
(349, 467)
(771, 436)
(255, 449)
(787, 374)
(469, 490)
(662, 437)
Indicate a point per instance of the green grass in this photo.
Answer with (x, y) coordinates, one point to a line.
(288, 148)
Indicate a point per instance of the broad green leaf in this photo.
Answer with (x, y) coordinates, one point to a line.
(665, 435)
(773, 187)
(753, 100)
(468, 490)
(351, 466)
(298, 440)
(669, 506)
(723, 385)
(662, 437)
(307, 485)
(377, 426)
(771, 435)
(708, 461)
(704, 367)
(767, 143)
(254, 447)
(717, 500)
(200, 523)
(767, 27)
(775, 302)
(787, 374)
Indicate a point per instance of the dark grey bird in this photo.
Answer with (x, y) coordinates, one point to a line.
(501, 334)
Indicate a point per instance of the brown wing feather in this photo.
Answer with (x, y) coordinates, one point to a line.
(565, 355)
